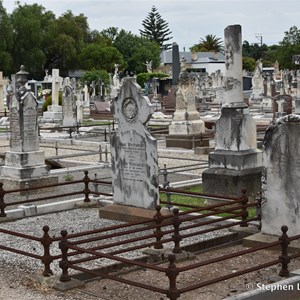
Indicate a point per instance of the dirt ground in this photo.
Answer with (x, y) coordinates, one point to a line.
(105, 289)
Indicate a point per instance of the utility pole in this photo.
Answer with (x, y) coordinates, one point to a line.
(260, 38)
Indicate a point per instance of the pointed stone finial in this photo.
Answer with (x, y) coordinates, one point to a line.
(22, 76)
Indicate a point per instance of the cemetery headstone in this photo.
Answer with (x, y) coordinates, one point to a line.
(236, 162)
(54, 111)
(69, 106)
(133, 150)
(186, 127)
(24, 160)
(175, 64)
(281, 176)
(297, 98)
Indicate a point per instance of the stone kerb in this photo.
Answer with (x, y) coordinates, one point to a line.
(133, 149)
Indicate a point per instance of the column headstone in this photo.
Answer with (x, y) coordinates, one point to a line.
(175, 64)
(235, 162)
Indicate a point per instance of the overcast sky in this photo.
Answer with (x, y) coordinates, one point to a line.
(188, 20)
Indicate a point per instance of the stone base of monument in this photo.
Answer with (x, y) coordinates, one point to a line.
(128, 213)
(14, 184)
(53, 114)
(189, 141)
(226, 182)
(236, 160)
(262, 239)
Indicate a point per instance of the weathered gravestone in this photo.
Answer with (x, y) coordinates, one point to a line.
(236, 162)
(24, 161)
(297, 98)
(133, 151)
(54, 111)
(282, 176)
(69, 106)
(186, 127)
(3, 83)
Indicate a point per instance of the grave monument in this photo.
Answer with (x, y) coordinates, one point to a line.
(69, 106)
(134, 155)
(281, 187)
(297, 98)
(186, 127)
(54, 111)
(235, 162)
(24, 162)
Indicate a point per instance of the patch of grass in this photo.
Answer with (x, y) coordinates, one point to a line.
(190, 200)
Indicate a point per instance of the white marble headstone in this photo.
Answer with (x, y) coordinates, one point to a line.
(133, 149)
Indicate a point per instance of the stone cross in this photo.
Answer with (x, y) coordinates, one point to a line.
(133, 149)
(55, 86)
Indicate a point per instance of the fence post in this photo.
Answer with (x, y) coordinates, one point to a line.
(2, 203)
(47, 258)
(56, 148)
(158, 233)
(176, 236)
(284, 252)
(105, 135)
(106, 154)
(244, 202)
(166, 186)
(95, 186)
(86, 191)
(64, 263)
(172, 273)
(258, 208)
(100, 153)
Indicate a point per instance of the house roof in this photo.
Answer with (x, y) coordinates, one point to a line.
(193, 58)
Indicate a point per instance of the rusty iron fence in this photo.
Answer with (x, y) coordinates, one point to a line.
(170, 272)
(163, 231)
(85, 192)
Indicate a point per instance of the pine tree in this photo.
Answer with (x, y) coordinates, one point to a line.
(156, 29)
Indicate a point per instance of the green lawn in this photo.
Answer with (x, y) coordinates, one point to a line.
(190, 200)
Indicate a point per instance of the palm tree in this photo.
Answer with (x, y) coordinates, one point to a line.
(209, 44)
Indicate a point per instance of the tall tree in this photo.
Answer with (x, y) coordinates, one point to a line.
(207, 44)
(66, 37)
(137, 51)
(289, 46)
(30, 25)
(156, 29)
(95, 56)
(6, 42)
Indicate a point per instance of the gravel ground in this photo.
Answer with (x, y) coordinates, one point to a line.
(19, 275)
(73, 221)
